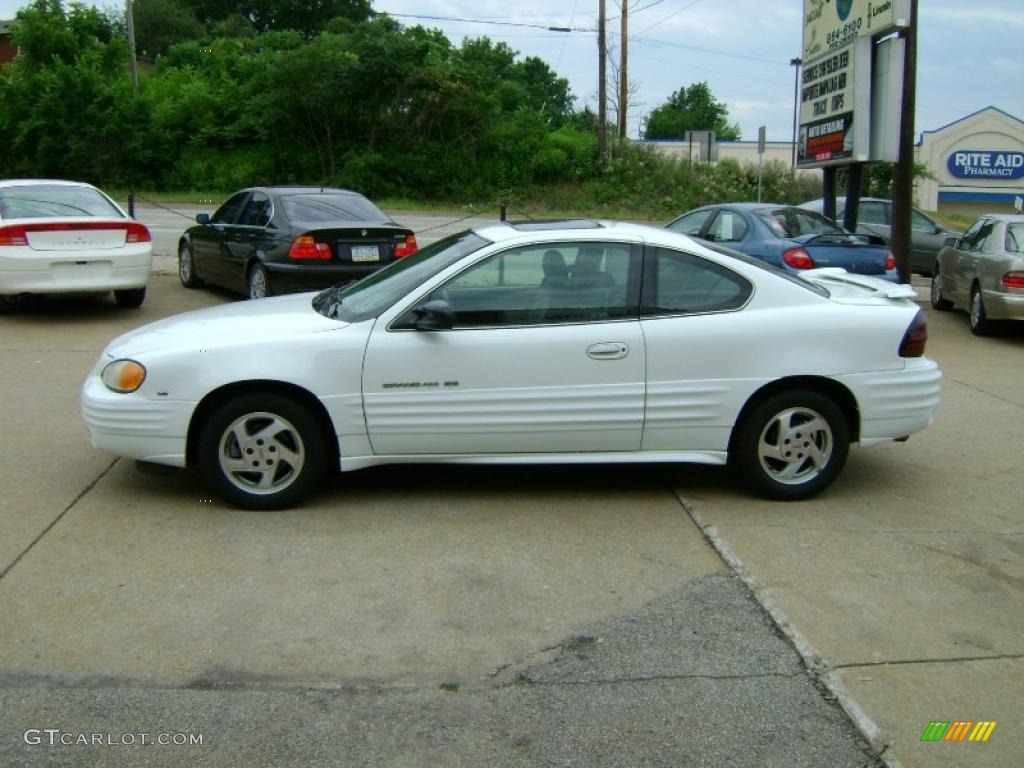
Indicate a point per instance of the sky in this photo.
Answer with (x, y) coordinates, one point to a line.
(969, 55)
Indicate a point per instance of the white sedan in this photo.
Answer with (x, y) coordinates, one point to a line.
(537, 342)
(69, 237)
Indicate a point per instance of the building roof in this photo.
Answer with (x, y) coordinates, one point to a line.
(969, 117)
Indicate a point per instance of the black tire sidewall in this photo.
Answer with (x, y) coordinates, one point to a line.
(983, 327)
(298, 415)
(257, 267)
(941, 304)
(193, 281)
(744, 452)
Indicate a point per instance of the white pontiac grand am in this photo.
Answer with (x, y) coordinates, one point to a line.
(534, 342)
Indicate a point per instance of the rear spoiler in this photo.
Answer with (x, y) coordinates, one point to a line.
(825, 275)
(844, 238)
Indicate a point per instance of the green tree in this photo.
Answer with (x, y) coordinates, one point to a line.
(159, 24)
(692, 108)
(307, 16)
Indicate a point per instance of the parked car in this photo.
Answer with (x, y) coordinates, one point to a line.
(874, 217)
(983, 271)
(267, 240)
(790, 238)
(578, 342)
(68, 237)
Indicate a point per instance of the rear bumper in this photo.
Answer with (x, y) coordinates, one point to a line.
(1003, 306)
(88, 273)
(895, 404)
(291, 278)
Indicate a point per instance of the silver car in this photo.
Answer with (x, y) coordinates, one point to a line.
(984, 271)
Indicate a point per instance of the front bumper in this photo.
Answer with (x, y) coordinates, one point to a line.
(133, 426)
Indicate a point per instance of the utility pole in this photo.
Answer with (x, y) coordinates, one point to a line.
(795, 63)
(623, 74)
(130, 23)
(602, 95)
(903, 174)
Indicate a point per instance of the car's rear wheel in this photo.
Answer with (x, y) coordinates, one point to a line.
(187, 267)
(259, 282)
(130, 298)
(935, 294)
(792, 445)
(980, 324)
(262, 451)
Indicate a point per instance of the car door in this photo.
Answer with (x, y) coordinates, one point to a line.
(730, 228)
(245, 238)
(544, 355)
(691, 319)
(208, 242)
(926, 239)
(969, 264)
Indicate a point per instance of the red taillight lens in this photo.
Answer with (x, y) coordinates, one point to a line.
(305, 248)
(406, 247)
(137, 233)
(13, 235)
(1013, 279)
(915, 338)
(798, 258)
(890, 261)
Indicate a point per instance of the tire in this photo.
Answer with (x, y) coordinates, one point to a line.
(258, 284)
(130, 298)
(938, 303)
(776, 429)
(262, 451)
(187, 267)
(980, 324)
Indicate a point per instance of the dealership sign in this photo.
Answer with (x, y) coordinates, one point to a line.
(835, 107)
(974, 164)
(831, 24)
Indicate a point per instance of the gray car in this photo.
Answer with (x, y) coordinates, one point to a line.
(983, 271)
(874, 217)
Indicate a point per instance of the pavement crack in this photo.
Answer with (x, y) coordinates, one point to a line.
(57, 519)
(949, 660)
(981, 391)
(527, 681)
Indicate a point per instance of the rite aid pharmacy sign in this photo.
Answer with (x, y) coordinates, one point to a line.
(974, 164)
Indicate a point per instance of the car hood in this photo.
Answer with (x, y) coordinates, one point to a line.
(236, 324)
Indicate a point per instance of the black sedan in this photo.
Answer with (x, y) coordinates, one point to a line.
(269, 240)
(788, 237)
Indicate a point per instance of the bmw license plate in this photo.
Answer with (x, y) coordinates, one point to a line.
(365, 253)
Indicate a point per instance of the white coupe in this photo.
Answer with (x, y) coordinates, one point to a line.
(536, 342)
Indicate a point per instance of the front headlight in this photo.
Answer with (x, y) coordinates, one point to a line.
(123, 375)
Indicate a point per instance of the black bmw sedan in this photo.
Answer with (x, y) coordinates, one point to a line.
(269, 240)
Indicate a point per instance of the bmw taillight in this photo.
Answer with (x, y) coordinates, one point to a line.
(406, 247)
(798, 258)
(890, 261)
(1014, 279)
(915, 338)
(306, 248)
(13, 235)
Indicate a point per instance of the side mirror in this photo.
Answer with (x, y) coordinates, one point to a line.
(435, 315)
(203, 218)
(951, 241)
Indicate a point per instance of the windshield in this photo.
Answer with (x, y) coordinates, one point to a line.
(796, 222)
(317, 208)
(375, 293)
(44, 201)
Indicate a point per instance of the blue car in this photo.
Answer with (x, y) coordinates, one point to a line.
(791, 238)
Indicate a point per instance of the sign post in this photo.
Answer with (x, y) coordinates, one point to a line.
(760, 158)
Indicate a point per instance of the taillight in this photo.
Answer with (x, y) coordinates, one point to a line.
(798, 258)
(915, 338)
(1013, 279)
(306, 247)
(137, 233)
(890, 261)
(406, 247)
(13, 235)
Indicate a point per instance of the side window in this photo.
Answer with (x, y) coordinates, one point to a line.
(919, 221)
(687, 284)
(228, 213)
(981, 239)
(257, 211)
(871, 212)
(691, 223)
(543, 284)
(969, 236)
(728, 227)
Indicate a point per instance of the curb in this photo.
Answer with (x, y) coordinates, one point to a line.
(812, 660)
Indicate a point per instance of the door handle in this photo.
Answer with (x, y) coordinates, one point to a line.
(608, 350)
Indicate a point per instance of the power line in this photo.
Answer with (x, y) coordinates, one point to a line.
(671, 15)
(492, 23)
(708, 50)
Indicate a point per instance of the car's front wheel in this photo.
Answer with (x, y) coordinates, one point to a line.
(130, 298)
(980, 324)
(792, 445)
(938, 302)
(262, 451)
(187, 267)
